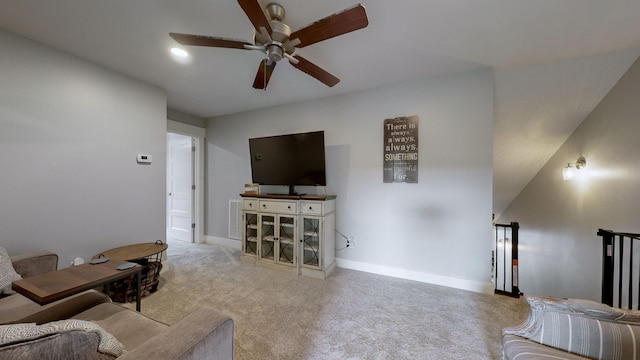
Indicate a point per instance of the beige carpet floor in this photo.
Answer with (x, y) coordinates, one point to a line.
(350, 315)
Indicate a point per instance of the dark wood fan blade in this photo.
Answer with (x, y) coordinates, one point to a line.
(255, 14)
(315, 71)
(264, 74)
(340, 23)
(201, 40)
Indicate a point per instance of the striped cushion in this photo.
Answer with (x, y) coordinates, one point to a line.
(589, 337)
(517, 348)
(581, 327)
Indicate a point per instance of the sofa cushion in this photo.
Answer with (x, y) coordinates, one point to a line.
(518, 348)
(604, 312)
(202, 334)
(130, 327)
(7, 273)
(57, 337)
(77, 345)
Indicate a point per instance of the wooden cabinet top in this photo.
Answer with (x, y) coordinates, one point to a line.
(291, 197)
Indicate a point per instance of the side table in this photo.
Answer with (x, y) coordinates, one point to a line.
(148, 255)
(54, 285)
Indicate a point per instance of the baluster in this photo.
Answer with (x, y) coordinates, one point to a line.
(620, 261)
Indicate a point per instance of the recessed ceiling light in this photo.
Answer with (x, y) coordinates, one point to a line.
(179, 52)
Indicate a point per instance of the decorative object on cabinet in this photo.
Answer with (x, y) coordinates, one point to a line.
(252, 189)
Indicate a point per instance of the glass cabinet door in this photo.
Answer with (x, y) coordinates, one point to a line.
(250, 239)
(311, 242)
(267, 237)
(286, 240)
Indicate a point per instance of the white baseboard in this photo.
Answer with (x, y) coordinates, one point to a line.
(470, 285)
(235, 244)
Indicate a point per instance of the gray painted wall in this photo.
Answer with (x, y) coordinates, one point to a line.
(560, 253)
(438, 230)
(179, 116)
(69, 135)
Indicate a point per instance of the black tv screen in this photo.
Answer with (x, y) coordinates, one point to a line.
(292, 159)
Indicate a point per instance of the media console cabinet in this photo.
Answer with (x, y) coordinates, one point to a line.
(290, 232)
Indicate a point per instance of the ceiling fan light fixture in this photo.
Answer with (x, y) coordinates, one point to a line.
(274, 52)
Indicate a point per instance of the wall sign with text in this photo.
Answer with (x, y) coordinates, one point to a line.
(401, 150)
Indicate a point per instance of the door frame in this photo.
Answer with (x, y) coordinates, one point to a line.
(198, 134)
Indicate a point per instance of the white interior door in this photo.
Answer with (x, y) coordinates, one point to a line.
(179, 187)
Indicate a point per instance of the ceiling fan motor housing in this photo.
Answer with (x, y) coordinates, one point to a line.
(279, 35)
(280, 31)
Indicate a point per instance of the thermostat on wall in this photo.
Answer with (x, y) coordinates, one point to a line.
(144, 159)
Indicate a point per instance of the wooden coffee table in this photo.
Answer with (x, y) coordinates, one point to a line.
(55, 285)
(135, 251)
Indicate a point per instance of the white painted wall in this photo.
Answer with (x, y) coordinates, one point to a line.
(69, 135)
(560, 253)
(438, 230)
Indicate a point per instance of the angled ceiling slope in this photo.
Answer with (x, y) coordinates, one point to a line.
(539, 107)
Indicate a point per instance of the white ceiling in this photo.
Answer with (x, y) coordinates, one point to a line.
(553, 60)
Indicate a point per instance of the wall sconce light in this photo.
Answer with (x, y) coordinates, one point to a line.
(570, 172)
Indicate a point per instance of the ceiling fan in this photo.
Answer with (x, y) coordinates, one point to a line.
(274, 38)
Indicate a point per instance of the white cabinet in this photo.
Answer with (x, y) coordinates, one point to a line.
(277, 239)
(317, 240)
(249, 233)
(290, 232)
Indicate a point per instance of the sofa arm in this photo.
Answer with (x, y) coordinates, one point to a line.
(35, 263)
(67, 307)
(19, 309)
(203, 334)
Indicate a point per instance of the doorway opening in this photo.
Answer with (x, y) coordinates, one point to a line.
(185, 183)
(180, 188)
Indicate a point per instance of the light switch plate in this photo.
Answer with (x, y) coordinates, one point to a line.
(143, 159)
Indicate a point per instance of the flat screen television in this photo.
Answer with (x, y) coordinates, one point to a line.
(292, 159)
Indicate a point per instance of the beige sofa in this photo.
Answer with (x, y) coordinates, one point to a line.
(19, 309)
(90, 326)
(573, 329)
